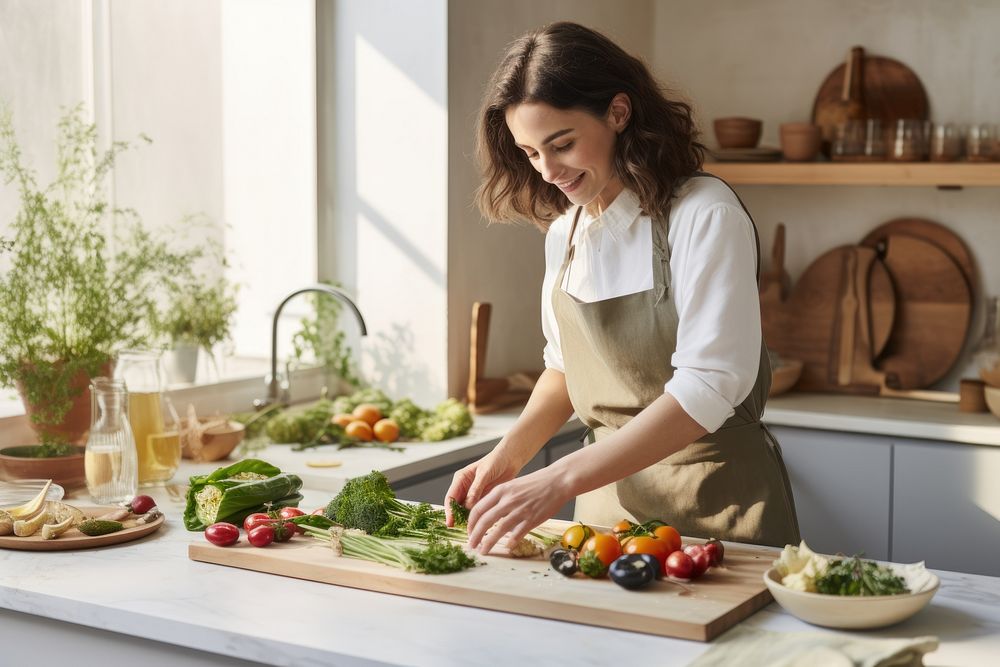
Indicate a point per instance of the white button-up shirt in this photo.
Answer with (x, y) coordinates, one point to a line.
(713, 258)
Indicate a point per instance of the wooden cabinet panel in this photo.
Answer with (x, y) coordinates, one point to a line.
(841, 483)
(946, 506)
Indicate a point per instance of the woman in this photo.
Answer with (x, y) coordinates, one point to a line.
(649, 307)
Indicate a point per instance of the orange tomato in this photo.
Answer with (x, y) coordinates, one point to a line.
(604, 546)
(342, 419)
(622, 527)
(386, 430)
(360, 430)
(367, 412)
(669, 535)
(643, 544)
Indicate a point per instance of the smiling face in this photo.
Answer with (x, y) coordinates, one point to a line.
(571, 148)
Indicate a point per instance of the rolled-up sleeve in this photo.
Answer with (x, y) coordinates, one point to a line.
(713, 270)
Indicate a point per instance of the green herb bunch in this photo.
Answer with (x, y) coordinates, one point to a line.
(83, 277)
(854, 576)
(200, 313)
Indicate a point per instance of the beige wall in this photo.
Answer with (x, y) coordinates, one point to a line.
(503, 264)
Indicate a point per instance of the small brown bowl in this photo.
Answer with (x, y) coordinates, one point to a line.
(217, 441)
(66, 471)
(784, 376)
(800, 142)
(737, 132)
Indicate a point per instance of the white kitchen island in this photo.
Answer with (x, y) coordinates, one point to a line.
(146, 602)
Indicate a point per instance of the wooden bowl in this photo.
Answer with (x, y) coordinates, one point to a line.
(800, 142)
(990, 376)
(217, 441)
(784, 376)
(66, 471)
(737, 132)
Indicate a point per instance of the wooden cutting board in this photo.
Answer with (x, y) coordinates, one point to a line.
(933, 312)
(890, 91)
(807, 325)
(699, 610)
(931, 231)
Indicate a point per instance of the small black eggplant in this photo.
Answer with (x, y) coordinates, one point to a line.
(634, 571)
(563, 561)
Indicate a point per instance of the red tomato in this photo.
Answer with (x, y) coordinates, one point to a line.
(222, 534)
(715, 551)
(699, 558)
(669, 535)
(604, 546)
(290, 513)
(261, 536)
(284, 531)
(680, 565)
(254, 520)
(648, 545)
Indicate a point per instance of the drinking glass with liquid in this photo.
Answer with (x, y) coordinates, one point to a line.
(152, 415)
(109, 460)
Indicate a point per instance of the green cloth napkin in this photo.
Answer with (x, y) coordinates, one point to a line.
(752, 647)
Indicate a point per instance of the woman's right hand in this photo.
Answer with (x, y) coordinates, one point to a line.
(477, 479)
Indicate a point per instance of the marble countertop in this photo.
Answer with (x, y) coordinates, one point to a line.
(894, 417)
(149, 589)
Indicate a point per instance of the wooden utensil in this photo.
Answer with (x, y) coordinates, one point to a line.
(777, 277)
(887, 90)
(931, 231)
(809, 326)
(699, 610)
(933, 310)
(490, 394)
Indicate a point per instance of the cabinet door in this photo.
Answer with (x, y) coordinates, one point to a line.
(946, 506)
(841, 484)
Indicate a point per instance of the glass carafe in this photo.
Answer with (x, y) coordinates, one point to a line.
(110, 458)
(151, 414)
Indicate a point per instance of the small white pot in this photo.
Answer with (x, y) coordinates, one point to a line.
(182, 363)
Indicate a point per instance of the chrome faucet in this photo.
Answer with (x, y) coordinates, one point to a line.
(277, 389)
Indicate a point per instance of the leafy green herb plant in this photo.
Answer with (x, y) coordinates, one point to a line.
(82, 278)
(200, 313)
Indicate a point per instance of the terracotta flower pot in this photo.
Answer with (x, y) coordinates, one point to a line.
(76, 423)
(66, 471)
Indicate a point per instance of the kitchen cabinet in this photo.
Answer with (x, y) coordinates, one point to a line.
(946, 506)
(842, 488)
(895, 498)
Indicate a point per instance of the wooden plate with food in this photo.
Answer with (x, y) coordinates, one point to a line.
(72, 538)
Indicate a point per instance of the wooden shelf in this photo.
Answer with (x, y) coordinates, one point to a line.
(872, 173)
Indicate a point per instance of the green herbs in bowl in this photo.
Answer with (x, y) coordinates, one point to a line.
(44, 451)
(848, 593)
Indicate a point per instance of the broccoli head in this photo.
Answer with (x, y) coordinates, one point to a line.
(363, 503)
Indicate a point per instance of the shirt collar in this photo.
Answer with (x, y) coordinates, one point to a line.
(618, 217)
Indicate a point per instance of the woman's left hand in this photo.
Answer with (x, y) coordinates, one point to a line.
(514, 508)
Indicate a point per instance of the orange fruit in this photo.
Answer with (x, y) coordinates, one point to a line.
(342, 419)
(367, 412)
(360, 430)
(386, 430)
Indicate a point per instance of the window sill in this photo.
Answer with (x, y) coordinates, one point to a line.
(235, 393)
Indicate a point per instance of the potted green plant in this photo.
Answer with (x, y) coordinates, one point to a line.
(79, 278)
(197, 317)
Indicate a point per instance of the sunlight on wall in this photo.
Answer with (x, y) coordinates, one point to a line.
(985, 490)
(268, 74)
(401, 175)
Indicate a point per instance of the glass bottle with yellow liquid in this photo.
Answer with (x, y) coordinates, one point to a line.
(152, 415)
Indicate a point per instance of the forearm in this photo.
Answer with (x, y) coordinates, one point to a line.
(652, 435)
(548, 409)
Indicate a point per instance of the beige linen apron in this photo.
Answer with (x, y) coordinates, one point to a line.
(731, 484)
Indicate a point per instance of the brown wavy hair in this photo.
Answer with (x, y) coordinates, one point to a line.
(568, 66)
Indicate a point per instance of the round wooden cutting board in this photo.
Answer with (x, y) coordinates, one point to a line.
(933, 312)
(931, 231)
(74, 539)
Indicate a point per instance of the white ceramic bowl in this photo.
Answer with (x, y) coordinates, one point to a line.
(850, 612)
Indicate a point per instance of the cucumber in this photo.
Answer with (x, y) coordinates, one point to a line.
(95, 527)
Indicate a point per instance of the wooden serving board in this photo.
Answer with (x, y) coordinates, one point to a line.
(699, 610)
(74, 539)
